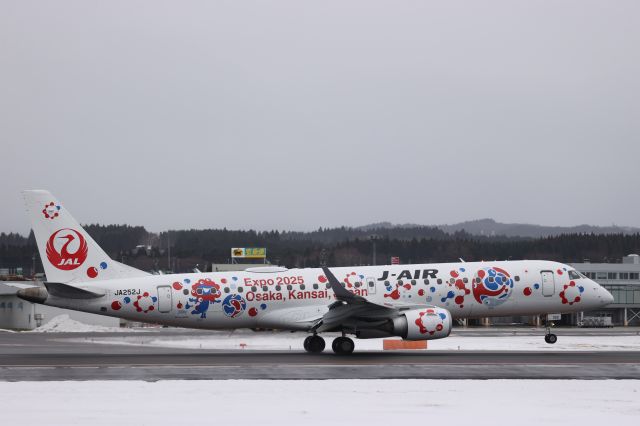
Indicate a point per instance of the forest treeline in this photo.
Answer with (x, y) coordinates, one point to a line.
(333, 247)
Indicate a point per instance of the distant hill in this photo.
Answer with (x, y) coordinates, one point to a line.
(491, 228)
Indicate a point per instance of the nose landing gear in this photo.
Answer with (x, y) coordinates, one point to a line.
(550, 338)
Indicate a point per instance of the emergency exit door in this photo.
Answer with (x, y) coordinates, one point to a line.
(371, 285)
(164, 299)
(548, 283)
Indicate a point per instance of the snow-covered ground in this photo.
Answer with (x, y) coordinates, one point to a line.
(328, 402)
(248, 340)
(64, 324)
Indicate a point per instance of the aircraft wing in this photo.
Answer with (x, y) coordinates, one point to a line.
(352, 309)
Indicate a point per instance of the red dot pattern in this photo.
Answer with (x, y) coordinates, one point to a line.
(92, 272)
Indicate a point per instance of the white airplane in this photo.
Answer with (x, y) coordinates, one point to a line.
(415, 302)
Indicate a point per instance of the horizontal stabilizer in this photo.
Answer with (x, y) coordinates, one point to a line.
(70, 292)
(21, 285)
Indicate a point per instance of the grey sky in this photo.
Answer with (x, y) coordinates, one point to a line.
(294, 115)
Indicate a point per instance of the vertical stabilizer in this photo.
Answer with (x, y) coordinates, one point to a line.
(68, 253)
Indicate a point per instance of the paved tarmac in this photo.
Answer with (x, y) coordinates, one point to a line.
(72, 356)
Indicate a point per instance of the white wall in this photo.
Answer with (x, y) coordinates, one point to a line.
(19, 314)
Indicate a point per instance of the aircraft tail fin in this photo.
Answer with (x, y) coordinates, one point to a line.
(68, 253)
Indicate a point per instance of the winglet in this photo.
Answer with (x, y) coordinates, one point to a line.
(341, 292)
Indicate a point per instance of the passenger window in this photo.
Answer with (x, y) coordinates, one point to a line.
(315, 286)
(265, 288)
(517, 278)
(439, 281)
(226, 289)
(254, 288)
(413, 282)
(278, 288)
(301, 286)
(426, 282)
(240, 289)
(289, 287)
(465, 280)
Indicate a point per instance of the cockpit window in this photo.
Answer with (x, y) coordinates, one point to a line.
(574, 275)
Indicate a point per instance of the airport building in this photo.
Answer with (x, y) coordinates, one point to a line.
(623, 282)
(18, 314)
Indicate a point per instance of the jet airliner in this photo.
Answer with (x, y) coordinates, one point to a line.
(414, 302)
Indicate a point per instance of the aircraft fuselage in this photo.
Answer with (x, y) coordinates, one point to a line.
(291, 299)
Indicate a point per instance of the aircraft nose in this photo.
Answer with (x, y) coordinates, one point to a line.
(602, 295)
(607, 297)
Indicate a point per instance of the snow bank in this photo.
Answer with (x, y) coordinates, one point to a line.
(64, 324)
(323, 402)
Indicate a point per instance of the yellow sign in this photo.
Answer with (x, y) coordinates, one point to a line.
(249, 253)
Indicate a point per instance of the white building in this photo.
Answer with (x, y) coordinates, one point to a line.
(623, 282)
(18, 314)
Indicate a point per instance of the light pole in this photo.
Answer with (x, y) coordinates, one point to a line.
(373, 239)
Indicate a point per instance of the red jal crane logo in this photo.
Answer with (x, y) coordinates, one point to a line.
(67, 255)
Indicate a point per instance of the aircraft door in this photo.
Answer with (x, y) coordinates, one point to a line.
(371, 285)
(164, 299)
(548, 283)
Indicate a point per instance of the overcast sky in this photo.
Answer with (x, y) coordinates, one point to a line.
(299, 114)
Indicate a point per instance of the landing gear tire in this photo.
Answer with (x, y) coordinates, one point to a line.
(314, 344)
(306, 343)
(343, 346)
(550, 338)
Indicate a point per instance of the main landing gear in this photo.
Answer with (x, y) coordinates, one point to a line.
(341, 345)
(314, 344)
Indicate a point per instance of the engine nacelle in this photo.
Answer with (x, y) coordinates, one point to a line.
(423, 324)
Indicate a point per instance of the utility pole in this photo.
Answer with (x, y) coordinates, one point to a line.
(168, 253)
(373, 239)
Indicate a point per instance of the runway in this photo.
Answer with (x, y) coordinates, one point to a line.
(33, 357)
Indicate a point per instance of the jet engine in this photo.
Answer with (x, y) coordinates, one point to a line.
(416, 324)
